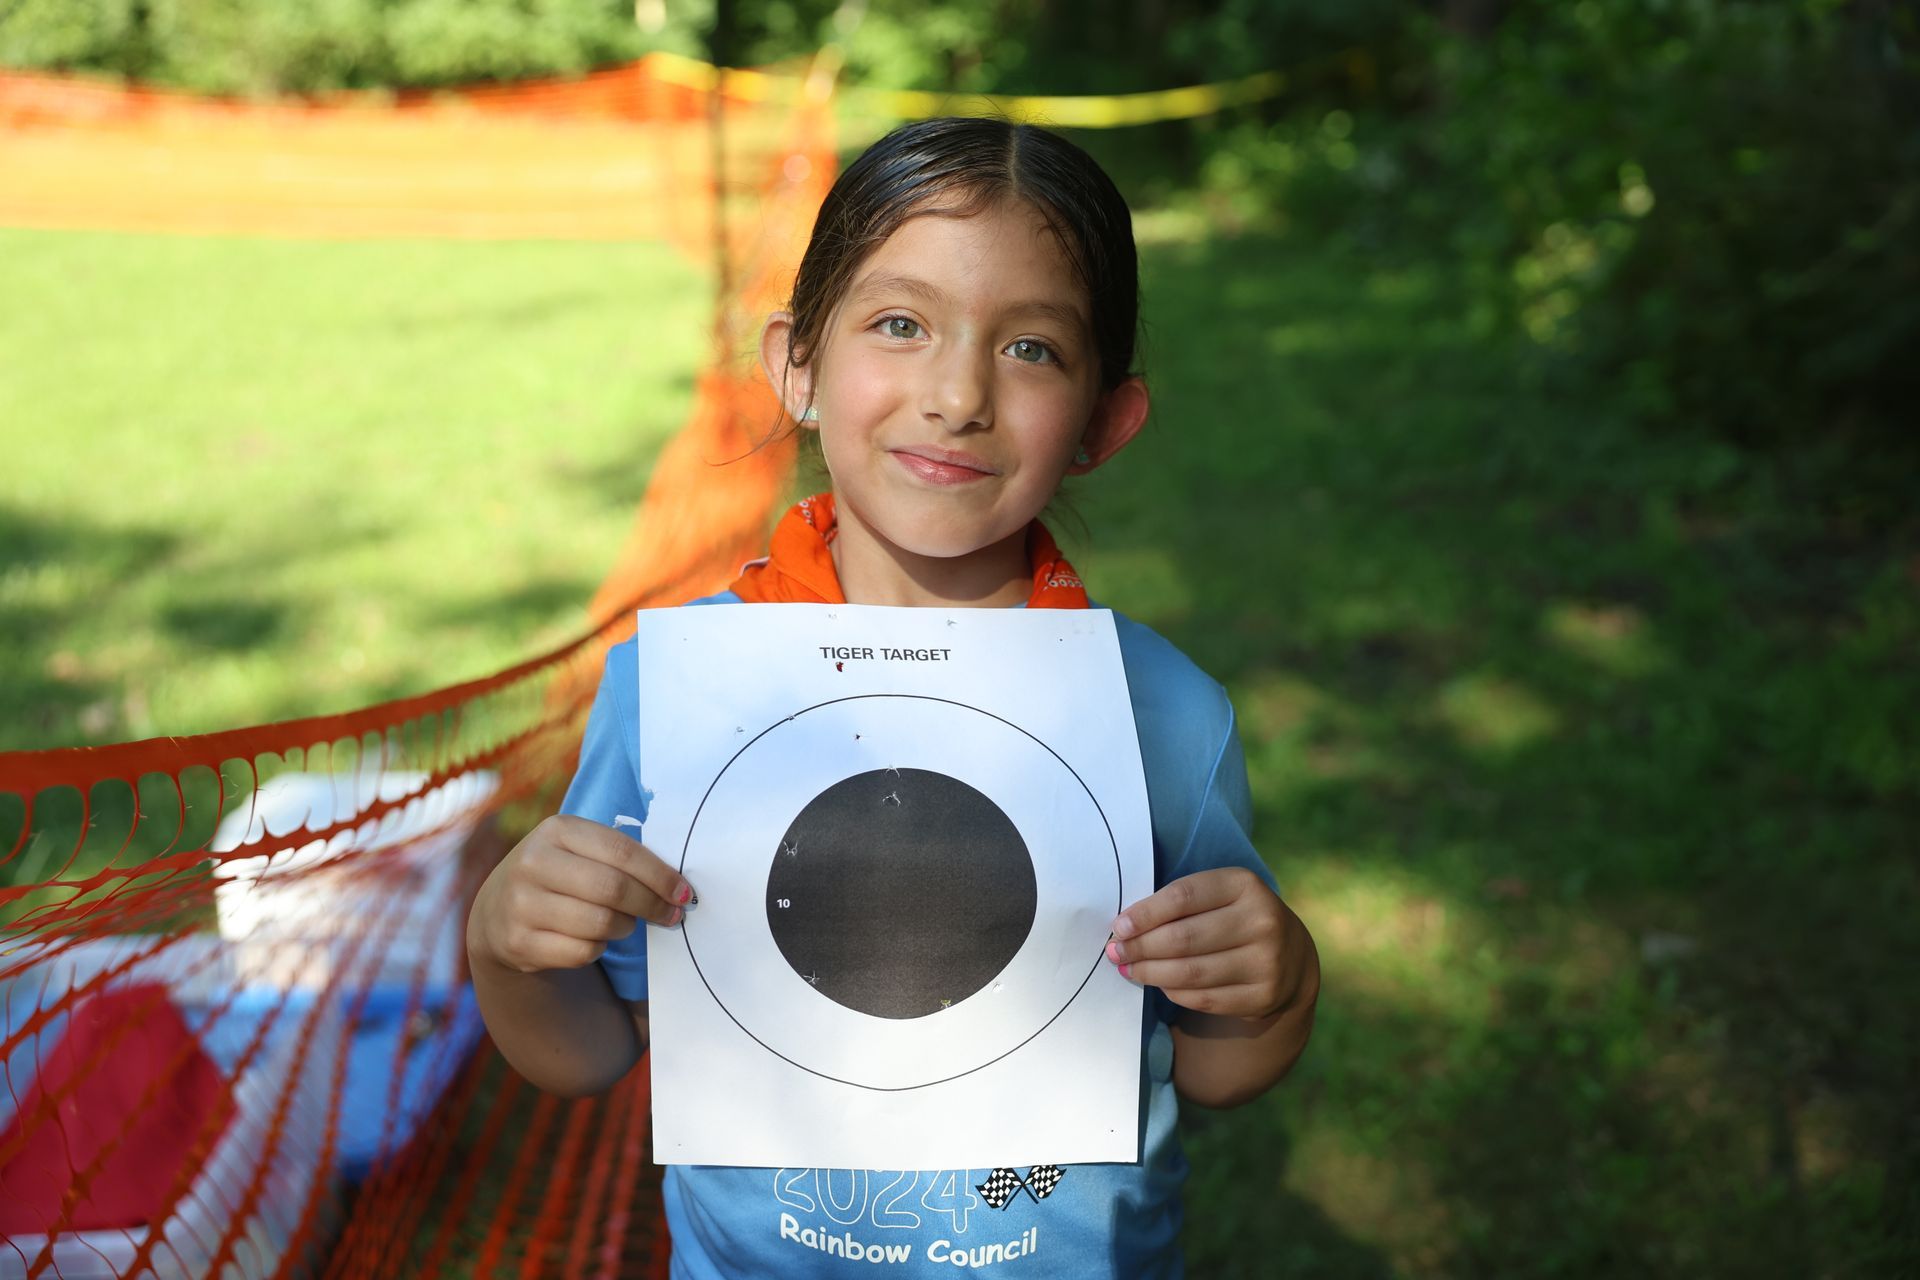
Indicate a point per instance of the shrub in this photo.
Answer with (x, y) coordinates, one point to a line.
(1715, 202)
(1713, 205)
(244, 46)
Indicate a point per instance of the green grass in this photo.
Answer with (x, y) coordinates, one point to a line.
(254, 479)
(1588, 755)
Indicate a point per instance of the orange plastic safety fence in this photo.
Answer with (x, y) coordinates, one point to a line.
(235, 1032)
(619, 154)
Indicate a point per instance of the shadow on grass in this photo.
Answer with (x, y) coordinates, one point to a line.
(65, 679)
(229, 625)
(47, 686)
(521, 609)
(1623, 724)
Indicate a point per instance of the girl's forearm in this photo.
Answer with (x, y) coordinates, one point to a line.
(563, 1029)
(1224, 1062)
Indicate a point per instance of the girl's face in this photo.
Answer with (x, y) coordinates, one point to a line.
(956, 381)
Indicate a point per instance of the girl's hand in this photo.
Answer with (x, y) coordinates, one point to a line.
(1217, 942)
(567, 890)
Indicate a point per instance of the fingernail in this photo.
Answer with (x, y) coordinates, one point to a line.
(686, 894)
(1121, 927)
(1126, 972)
(675, 918)
(1115, 952)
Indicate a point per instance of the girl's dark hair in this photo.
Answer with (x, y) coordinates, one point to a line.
(956, 166)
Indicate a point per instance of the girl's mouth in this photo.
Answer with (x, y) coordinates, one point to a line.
(942, 466)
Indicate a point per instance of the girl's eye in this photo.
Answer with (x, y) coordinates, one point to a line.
(900, 327)
(1028, 351)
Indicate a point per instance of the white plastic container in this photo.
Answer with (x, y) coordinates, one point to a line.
(293, 915)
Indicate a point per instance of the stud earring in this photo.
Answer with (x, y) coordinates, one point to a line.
(1082, 458)
(812, 414)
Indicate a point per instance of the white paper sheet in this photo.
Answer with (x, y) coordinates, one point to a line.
(909, 830)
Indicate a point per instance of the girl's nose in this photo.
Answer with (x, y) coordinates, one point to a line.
(959, 390)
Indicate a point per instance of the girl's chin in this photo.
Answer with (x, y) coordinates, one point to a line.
(943, 547)
(942, 540)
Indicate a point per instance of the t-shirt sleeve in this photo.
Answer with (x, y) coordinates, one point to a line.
(1222, 833)
(606, 787)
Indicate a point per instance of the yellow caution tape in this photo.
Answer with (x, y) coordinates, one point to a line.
(751, 86)
(1103, 111)
(1100, 111)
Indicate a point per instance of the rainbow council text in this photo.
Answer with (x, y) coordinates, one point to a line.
(846, 1245)
(847, 653)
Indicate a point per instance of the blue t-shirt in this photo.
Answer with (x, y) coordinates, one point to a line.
(1097, 1219)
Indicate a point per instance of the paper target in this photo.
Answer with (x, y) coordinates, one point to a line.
(872, 910)
(909, 830)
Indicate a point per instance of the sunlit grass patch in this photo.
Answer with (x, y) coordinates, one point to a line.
(1616, 638)
(1494, 713)
(1391, 931)
(254, 479)
(1374, 1195)
(1299, 735)
(1278, 706)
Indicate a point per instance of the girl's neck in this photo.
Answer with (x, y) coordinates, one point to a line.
(875, 571)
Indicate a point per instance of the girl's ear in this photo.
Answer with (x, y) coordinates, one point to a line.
(1117, 418)
(793, 385)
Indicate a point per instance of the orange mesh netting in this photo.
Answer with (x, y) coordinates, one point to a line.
(235, 1036)
(615, 155)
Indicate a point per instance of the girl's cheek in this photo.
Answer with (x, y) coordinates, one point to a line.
(858, 391)
(1061, 413)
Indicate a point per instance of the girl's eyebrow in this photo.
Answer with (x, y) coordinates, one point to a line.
(1059, 312)
(883, 285)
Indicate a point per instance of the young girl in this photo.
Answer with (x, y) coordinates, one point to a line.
(961, 337)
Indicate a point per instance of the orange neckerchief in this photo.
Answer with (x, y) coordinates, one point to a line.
(799, 565)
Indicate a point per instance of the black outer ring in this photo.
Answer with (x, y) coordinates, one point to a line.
(1118, 880)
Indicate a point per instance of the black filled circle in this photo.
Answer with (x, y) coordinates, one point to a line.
(900, 892)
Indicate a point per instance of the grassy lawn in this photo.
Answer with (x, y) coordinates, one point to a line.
(1591, 759)
(1589, 756)
(254, 479)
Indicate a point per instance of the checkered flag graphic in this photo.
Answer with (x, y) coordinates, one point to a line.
(999, 1188)
(1042, 1179)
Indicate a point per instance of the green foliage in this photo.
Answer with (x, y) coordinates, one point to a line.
(1716, 202)
(1239, 37)
(449, 41)
(1070, 46)
(238, 46)
(233, 46)
(926, 44)
(107, 34)
(1713, 205)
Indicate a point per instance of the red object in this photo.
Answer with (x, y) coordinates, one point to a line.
(124, 1098)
